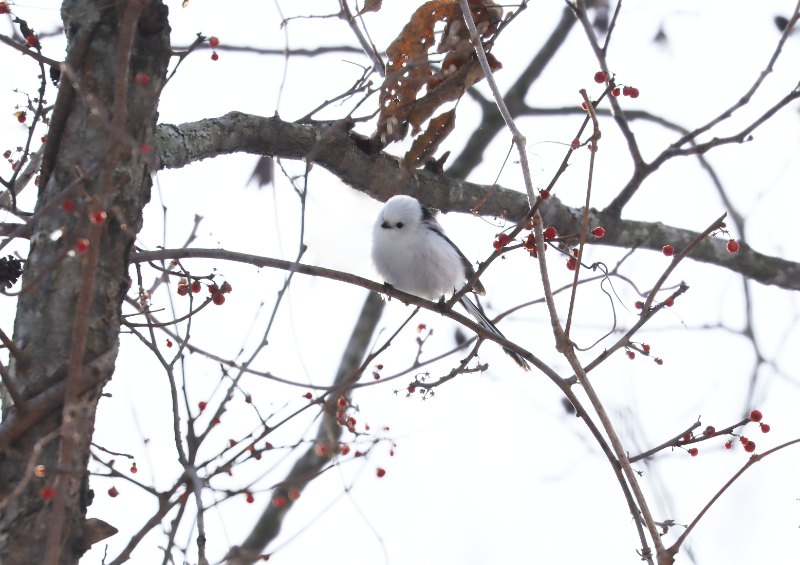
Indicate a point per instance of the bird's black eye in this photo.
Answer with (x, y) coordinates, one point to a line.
(399, 224)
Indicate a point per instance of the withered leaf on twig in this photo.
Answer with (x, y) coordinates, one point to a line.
(409, 66)
(370, 6)
(426, 144)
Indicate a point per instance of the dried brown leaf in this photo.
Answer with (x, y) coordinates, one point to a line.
(408, 69)
(370, 6)
(426, 144)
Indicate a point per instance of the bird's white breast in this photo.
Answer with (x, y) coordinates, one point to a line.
(419, 261)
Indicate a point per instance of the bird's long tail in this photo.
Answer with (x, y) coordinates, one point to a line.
(476, 313)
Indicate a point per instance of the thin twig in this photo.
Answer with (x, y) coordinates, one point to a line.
(519, 139)
(755, 458)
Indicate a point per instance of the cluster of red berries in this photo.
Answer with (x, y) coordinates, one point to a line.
(218, 292)
(501, 241)
(626, 91)
(213, 42)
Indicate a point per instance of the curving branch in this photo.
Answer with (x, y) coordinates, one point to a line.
(382, 176)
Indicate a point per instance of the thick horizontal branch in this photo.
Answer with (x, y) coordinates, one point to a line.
(382, 176)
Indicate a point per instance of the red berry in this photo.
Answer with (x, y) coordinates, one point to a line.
(669, 301)
(169, 343)
(687, 437)
(646, 348)
(765, 428)
(503, 238)
(279, 502)
(294, 494)
(755, 416)
(82, 246)
(21, 117)
(575, 144)
(44, 138)
(572, 264)
(134, 470)
(750, 447)
(634, 92)
(639, 304)
(202, 405)
(342, 402)
(351, 422)
(626, 90)
(213, 41)
(550, 233)
(380, 472)
(31, 40)
(340, 415)
(497, 245)
(67, 205)
(7, 154)
(308, 395)
(47, 493)
(219, 299)
(212, 288)
(320, 449)
(144, 148)
(733, 246)
(3, 8)
(710, 431)
(668, 250)
(345, 449)
(659, 361)
(615, 92)
(599, 77)
(598, 232)
(529, 243)
(196, 287)
(250, 498)
(226, 287)
(544, 194)
(631, 354)
(728, 445)
(98, 217)
(183, 290)
(583, 105)
(113, 492)
(216, 421)
(214, 56)
(142, 79)
(376, 376)
(744, 440)
(693, 452)
(412, 390)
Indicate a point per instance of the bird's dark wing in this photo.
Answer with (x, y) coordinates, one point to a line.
(429, 219)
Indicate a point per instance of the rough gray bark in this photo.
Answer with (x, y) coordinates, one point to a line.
(46, 312)
(382, 176)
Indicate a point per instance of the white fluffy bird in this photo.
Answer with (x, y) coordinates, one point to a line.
(412, 253)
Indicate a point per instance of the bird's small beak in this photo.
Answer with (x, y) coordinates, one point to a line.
(385, 225)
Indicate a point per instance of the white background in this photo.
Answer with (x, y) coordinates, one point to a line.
(492, 470)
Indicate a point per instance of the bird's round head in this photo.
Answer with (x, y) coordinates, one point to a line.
(401, 214)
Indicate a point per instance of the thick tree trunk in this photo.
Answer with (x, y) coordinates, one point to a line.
(82, 140)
